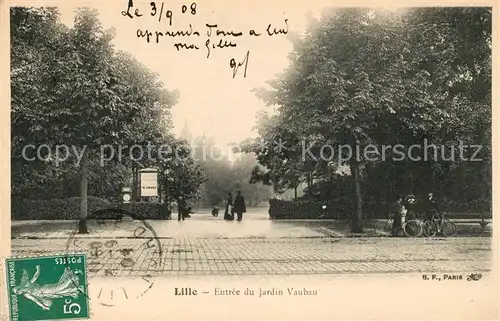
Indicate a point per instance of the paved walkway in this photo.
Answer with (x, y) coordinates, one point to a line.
(255, 225)
(206, 245)
(275, 256)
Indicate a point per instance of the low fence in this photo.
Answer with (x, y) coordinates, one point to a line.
(340, 208)
(69, 209)
(343, 208)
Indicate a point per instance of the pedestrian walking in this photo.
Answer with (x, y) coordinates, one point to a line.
(229, 213)
(239, 206)
(181, 208)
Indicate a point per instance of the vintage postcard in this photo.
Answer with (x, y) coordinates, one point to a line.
(249, 160)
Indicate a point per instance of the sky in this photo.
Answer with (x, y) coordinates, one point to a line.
(211, 101)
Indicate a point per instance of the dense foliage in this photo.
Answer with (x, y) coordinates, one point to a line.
(378, 77)
(69, 209)
(71, 87)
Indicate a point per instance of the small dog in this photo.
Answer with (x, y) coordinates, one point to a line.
(215, 212)
(188, 212)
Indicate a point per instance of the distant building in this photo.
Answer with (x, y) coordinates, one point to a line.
(185, 133)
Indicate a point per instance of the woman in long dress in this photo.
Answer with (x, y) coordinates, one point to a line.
(228, 214)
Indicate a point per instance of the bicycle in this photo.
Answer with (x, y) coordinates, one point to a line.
(438, 224)
(411, 228)
(386, 226)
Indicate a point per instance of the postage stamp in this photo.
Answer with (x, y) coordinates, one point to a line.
(47, 288)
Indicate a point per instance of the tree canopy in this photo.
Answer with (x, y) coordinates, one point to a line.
(382, 77)
(71, 87)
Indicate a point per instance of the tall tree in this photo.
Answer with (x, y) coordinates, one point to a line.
(366, 77)
(87, 95)
(180, 173)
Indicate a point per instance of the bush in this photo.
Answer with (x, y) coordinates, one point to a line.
(340, 208)
(54, 209)
(375, 210)
(141, 210)
(343, 208)
(476, 206)
(69, 209)
(150, 211)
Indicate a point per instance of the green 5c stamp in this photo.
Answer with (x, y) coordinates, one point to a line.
(47, 288)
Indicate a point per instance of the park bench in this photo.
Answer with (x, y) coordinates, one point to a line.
(483, 219)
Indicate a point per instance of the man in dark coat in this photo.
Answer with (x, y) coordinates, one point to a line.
(239, 206)
(181, 208)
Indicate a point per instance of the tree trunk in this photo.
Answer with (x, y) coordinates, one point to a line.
(82, 226)
(309, 184)
(357, 222)
(159, 189)
(295, 192)
(167, 197)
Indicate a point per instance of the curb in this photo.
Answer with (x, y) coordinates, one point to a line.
(170, 238)
(331, 233)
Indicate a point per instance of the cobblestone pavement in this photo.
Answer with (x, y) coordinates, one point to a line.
(127, 278)
(204, 245)
(188, 255)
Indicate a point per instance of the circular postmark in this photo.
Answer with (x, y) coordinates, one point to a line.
(123, 256)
